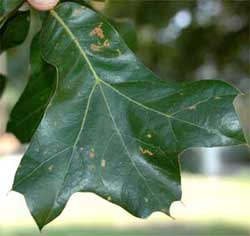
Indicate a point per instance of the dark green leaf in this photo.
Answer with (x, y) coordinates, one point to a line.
(7, 6)
(112, 127)
(14, 31)
(2, 84)
(29, 110)
(242, 107)
(19, 124)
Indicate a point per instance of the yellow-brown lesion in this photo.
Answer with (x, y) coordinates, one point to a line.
(102, 42)
(98, 31)
(103, 163)
(92, 153)
(146, 152)
(95, 47)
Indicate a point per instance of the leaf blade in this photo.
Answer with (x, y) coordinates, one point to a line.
(7, 7)
(138, 169)
(30, 108)
(14, 31)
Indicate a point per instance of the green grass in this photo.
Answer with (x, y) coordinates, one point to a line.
(176, 230)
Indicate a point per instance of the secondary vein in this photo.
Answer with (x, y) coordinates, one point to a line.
(99, 80)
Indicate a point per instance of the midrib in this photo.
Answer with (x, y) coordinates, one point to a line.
(99, 80)
(72, 36)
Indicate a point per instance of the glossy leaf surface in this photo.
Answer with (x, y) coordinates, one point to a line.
(7, 6)
(28, 111)
(14, 31)
(112, 127)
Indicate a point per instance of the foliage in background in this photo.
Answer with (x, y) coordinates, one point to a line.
(190, 40)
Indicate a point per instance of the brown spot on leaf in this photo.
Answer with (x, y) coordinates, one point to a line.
(95, 47)
(98, 31)
(103, 163)
(146, 151)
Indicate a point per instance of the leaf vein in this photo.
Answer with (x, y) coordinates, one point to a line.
(98, 79)
(74, 145)
(124, 144)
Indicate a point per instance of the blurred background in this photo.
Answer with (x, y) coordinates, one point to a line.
(180, 40)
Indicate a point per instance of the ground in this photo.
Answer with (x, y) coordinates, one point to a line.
(210, 206)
